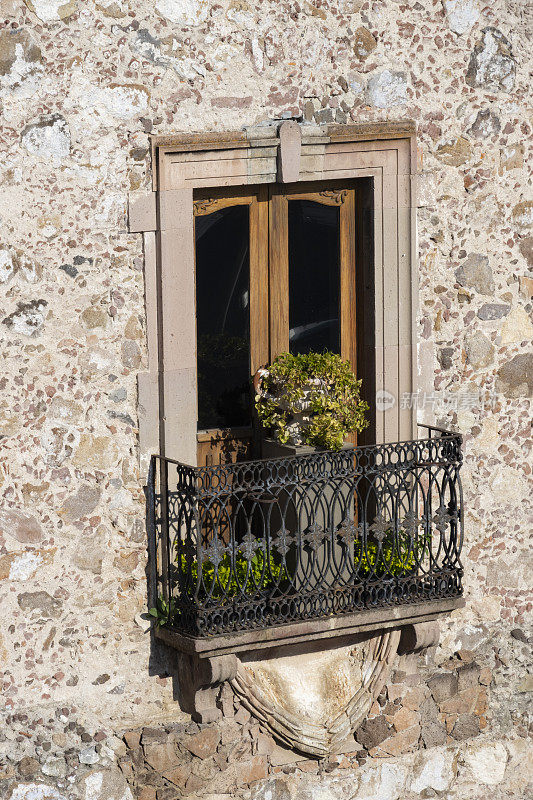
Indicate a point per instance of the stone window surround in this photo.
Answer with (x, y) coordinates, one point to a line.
(286, 152)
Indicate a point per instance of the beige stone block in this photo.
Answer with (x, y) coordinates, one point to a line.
(20, 526)
(402, 742)
(180, 415)
(414, 698)
(486, 762)
(96, 452)
(455, 153)
(488, 608)
(433, 770)
(290, 147)
(426, 189)
(404, 718)
(526, 286)
(148, 412)
(280, 756)
(142, 213)
(517, 327)
(461, 703)
(162, 756)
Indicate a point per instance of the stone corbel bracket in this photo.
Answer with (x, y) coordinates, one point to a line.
(306, 735)
(418, 637)
(201, 680)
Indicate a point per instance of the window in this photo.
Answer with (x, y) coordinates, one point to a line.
(364, 301)
(275, 271)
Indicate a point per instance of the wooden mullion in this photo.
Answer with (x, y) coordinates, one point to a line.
(279, 272)
(348, 307)
(348, 311)
(259, 323)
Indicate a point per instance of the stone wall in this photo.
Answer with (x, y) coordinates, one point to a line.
(423, 736)
(82, 85)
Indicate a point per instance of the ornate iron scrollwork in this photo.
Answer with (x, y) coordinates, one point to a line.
(256, 544)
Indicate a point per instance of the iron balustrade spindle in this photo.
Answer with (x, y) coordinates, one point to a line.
(265, 542)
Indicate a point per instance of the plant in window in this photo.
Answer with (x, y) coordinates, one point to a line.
(310, 398)
(224, 579)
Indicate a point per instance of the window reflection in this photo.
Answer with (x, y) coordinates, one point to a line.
(314, 277)
(223, 318)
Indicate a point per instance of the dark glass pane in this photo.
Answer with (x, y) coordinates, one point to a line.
(314, 279)
(223, 318)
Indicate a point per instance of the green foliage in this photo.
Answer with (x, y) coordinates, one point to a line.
(223, 582)
(394, 559)
(320, 384)
(247, 577)
(228, 580)
(163, 611)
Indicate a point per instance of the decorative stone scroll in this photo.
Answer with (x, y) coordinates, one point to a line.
(200, 679)
(418, 637)
(310, 732)
(203, 206)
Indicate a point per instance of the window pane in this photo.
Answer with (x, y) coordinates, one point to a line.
(314, 277)
(223, 318)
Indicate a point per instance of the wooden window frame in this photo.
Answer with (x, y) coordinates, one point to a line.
(382, 155)
(343, 197)
(207, 201)
(269, 284)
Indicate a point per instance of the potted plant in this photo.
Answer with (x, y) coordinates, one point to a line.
(308, 400)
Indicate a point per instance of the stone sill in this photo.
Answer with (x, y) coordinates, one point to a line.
(312, 630)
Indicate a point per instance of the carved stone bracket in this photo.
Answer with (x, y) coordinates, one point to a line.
(200, 679)
(307, 735)
(416, 638)
(310, 684)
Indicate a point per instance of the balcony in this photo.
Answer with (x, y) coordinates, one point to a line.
(267, 550)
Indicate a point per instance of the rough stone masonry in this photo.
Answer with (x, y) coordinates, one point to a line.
(89, 706)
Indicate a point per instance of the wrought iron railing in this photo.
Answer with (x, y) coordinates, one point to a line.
(266, 542)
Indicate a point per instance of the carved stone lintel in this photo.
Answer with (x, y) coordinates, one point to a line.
(418, 637)
(200, 679)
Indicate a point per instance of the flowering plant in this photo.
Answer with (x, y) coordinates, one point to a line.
(310, 398)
